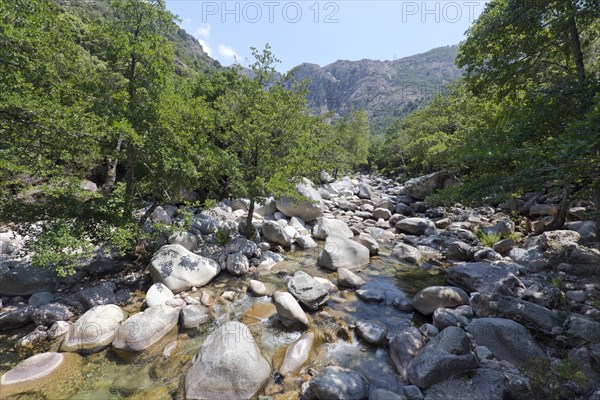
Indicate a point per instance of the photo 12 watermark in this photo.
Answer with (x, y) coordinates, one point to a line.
(270, 11)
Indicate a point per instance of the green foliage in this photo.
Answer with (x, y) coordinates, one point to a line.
(488, 239)
(554, 381)
(223, 235)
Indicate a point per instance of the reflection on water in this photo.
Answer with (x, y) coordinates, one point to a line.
(106, 375)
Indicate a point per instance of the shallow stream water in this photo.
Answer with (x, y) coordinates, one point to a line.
(108, 375)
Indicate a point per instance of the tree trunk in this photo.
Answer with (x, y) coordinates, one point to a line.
(249, 227)
(111, 166)
(130, 171)
(561, 216)
(148, 213)
(576, 46)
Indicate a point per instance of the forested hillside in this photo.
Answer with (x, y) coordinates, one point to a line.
(114, 92)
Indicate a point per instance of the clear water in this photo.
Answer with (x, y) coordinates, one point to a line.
(106, 375)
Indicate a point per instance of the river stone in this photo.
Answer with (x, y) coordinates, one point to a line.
(247, 247)
(483, 384)
(445, 317)
(95, 329)
(50, 313)
(370, 243)
(96, 296)
(328, 226)
(446, 355)
(337, 383)
(407, 253)
(586, 229)
(371, 332)
(370, 295)
(382, 394)
(432, 297)
(16, 318)
(158, 294)
(297, 353)
(414, 226)
(41, 298)
(229, 365)
(349, 279)
(403, 348)
(257, 288)
(403, 303)
(237, 264)
(25, 280)
(289, 311)
(276, 234)
(582, 328)
(340, 252)
(382, 213)
(193, 315)
(308, 209)
(142, 330)
(185, 239)
(32, 368)
(179, 269)
(306, 242)
(422, 186)
(204, 224)
(307, 290)
(58, 329)
(484, 277)
(530, 314)
(507, 339)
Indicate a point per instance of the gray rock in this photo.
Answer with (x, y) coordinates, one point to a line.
(412, 392)
(422, 186)
(240, 244)
(429, 330)
(582, 329)
(407, 253)
(370, 243)
(41, 298)
(527, 313)
(258, 288)
(484, 384)
(179, 269)
(484, 277)
(25, 280)
(193, 315)
(558, 240)
(324, 177)
(58, 329)
(432, 297)
(328, 226)
(50, 313)
(143, 329)
(382, 394)
(339, 252)
(16, 318)
(276, 234)
(229, 365)
(504, 246)
(445, 317)
(507, 339)
(297, 353)
(308, 209)
(403, 348)
(501, 228)
(237, 264)
(382, 213)
(365, 191)
(583, 255)
(96, 296)
(289, 311)
(371, 332)
(370, 295)
(403, 209)
(532, 259)
(204, 224)
(337, 383)
(403, 303)
(185, 239)
(349, 279)
(158, 294)
(306, 242)
(446, 355)
(95, 329)
(578, 296)
(415, 226)
(307, 290)
(33, 368)
(586, 229)
(460, 251)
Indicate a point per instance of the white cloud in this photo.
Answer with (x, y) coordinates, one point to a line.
(206, 47)
(185, 22)
(228, 53)
(203, 31)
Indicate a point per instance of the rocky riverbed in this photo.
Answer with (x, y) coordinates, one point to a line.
(360, 292)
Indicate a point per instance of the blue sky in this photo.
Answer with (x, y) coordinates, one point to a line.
(322, 32)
